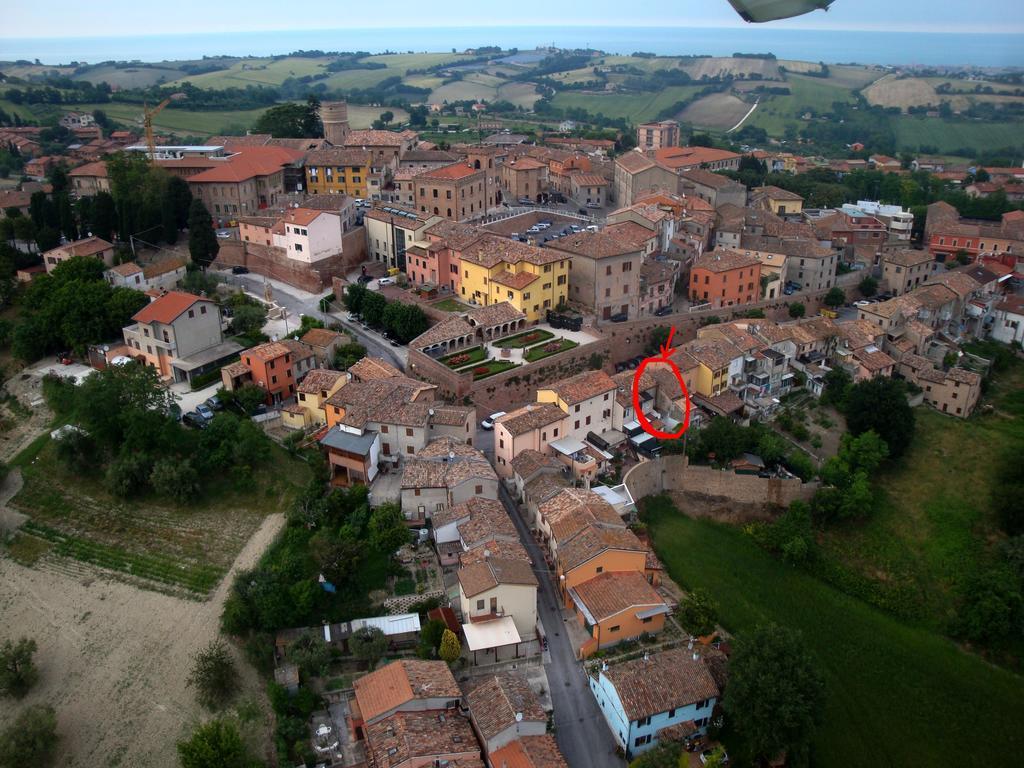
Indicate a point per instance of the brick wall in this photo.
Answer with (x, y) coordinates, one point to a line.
(272, 262)
(509, 389)
(674, 473)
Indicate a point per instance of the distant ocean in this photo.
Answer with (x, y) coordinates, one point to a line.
(902, 48)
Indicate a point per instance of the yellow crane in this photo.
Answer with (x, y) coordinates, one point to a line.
(147, 121)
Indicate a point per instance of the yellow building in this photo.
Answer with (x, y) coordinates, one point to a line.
(713, 358)
(308, 409)
(779, 201)
(533, 280)
(337, 171)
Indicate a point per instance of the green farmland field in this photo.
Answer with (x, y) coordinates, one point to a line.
(948, 135)
(636, 107)
(895, 695)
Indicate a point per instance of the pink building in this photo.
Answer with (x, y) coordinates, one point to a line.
(433, 263)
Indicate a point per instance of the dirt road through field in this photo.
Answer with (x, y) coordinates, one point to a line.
(113, 658)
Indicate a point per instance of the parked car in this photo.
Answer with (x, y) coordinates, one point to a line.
(621, 317)
(215, 403)
(205, 411)
(488, 423)
(862, 303)
(223, 234)
(386, 281)
(364, 279)
(662, 311)
(394, 342)
(239, 270)
(174, 411)
(593, 205)
(194, 420)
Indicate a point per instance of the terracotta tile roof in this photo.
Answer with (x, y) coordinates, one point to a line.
(421, 738)
(708, 179)
(592, 541)
(89, 246)
(163, 267)
(453, 172)
(97, 169)
(611, 593)
(515, 280)
(403, 681)
(712, 353)
(525, 164)
(127, 269)
(457, 235)
(679, 157)
(321, 337)
(527, 463)
(303, 217)
(530, 752)
(167, 308)
(319, 380)
(404, 222)
(634, 161)
(271, 350)
(588, 180)
(435, 473)
(491, 572)
(487, 521)
(631, 233)
(501, 701)
(371, 369)
(249, 163)
(663, 681)
(964, 376)
(450, 416)
(593, 245)
(544, 487)
(339, 157)
(958, 282)
(724, 260)
(582, 386)
(491, 250)
(299, 350)
(447, 330)
(498, 549)
(375, 138)
(531, 417)
(906, 257)
(873, 359)
(494, 314)
(236, 369)
(775, 193)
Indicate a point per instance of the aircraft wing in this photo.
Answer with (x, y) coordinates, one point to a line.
(770, 10)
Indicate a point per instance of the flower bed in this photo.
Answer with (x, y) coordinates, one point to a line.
(492, 367)
(464, 357)
(525, 339)
(541, 351)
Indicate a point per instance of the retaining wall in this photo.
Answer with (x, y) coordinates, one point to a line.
(274, 263)
(675, 473)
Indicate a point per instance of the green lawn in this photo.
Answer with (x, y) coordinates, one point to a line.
(949, 135)
(932, 529)
(182, 121)
(149, 537)
(636, 107)
(464, 357)
(539, 352)
(774, 113)
(491, 368)
(895, 695)
(525, 339)
(450, 305)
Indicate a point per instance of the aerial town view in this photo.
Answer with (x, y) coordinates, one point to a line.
(469, 386)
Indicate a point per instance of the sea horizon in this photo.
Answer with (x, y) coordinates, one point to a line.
(830, 46)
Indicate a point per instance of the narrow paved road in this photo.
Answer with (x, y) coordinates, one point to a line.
(299, 302)
(580, 728)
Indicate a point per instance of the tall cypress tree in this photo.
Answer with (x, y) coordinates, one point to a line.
(202, 240)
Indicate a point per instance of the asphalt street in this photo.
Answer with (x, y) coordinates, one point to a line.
(580, 728)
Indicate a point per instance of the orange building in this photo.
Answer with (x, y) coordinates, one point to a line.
(617, 606)
(724, 278)
(268, 366)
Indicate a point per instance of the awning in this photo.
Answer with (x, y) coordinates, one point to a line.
(567, 446)
(491, 634)
(655, 611)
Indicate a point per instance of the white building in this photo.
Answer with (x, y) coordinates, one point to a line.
(1008, 320)
(898, 221)
(310, 235)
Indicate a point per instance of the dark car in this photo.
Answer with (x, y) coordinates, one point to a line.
(214, 403)
(239, 270)
(662, 311)
(174, 411)
(364, 279)
(621, 317)
(194, 420)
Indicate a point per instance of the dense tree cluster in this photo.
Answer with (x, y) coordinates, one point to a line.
(402, 321)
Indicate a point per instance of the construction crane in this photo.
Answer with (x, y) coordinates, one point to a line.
(147, 121)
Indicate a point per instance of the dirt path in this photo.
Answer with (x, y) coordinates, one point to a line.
(113, 658)
(744, 118)
(10, 520)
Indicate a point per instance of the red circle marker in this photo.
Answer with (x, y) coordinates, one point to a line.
(666, 350)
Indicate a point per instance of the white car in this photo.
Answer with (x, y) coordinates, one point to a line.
(488, 423)
(862, 303)
(385, 281)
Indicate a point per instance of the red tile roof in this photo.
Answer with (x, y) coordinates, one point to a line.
(249, 163)
(167, 308)
(452, 172)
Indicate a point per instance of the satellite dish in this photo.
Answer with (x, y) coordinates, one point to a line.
(519, 717)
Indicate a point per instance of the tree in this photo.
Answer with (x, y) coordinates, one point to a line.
(24, 229)
(17, 671)
(450, 648)
(347, 355)
(698, 613)
(104, 216)
(168, 221)
(248, 397)
(775, 693)
(354, 295)
(666, 754)
(797, 310)
(368, 644)
(248, 318)
(430, 639)
(373, 309)
(657, 339)
(387, 117)
(47, 238)
(214, 675)
(771, 447)
(175, 478)
(837, 386)
(992, 606)
(31, 739)
(868, 287)
(181, 199)
(880, 404)
(68, 225)
(310, 653)
(835, 297)
(387, 527)
(202, 240)
(216, 744)
(296, 121)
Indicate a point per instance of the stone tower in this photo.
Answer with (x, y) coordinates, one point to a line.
(334, 115)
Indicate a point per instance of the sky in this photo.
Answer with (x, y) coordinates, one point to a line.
(73, 18)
